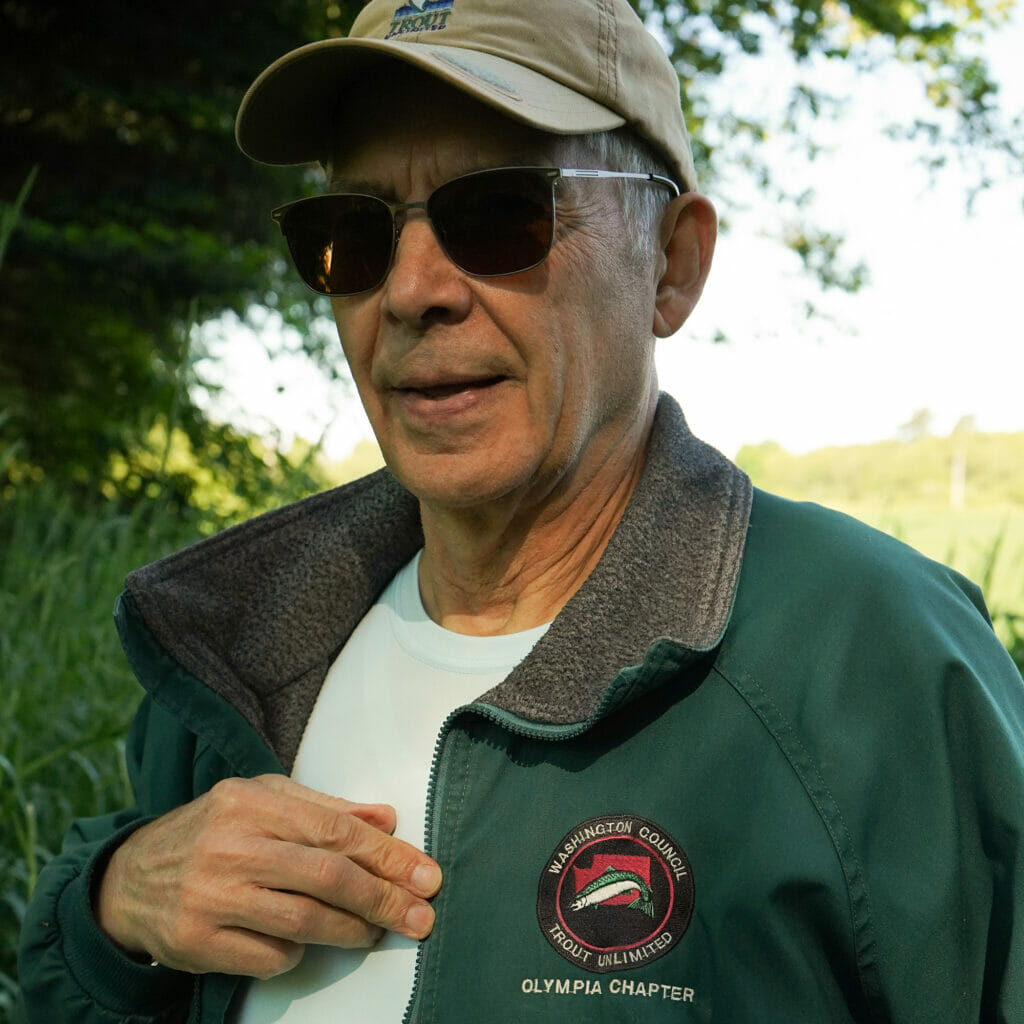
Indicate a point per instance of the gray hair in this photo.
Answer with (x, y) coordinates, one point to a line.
(642, 204)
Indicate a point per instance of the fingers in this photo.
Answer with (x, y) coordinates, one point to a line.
(243, 877)
(312, 846)
(233, 951)
(381, 816)
(222, 920)
(297, 919)
(317, 822)
(332, 881)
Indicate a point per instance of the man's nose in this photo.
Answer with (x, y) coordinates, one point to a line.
(423, 285)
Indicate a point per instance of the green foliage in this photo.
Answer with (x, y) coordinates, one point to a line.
(365, 458)
(141, 207)
(9, 218)
(896, 473)
(1011, 626)
(941, 42)
(66, 692)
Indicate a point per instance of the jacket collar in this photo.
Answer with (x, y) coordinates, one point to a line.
(259, 612)
(669, 572)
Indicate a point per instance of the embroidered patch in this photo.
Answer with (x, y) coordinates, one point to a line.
(617, 893)
(430, 16)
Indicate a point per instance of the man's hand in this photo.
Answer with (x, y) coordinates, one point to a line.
(240, 879)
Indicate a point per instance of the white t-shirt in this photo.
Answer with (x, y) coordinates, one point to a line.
(371, 738)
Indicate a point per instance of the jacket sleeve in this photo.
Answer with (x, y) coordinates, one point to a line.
(883, 682)
(68, 969)
(985, 724)
(938, 797)
(944, 846)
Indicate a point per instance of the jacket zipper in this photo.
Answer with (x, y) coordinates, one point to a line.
(613, 696)
(553, 733)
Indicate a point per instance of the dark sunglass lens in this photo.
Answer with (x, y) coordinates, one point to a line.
(496, 222)
(341, 244)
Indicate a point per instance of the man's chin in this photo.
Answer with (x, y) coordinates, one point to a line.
(459, 480)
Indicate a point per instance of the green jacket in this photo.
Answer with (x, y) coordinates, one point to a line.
(766, 765)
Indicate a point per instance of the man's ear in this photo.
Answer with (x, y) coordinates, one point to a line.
(687, 239)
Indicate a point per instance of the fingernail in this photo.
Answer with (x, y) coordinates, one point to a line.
(426, 879)
(420, 920)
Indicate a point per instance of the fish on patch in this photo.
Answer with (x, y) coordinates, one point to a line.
(611, 883)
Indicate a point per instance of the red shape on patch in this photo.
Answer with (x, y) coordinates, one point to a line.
(618, 862)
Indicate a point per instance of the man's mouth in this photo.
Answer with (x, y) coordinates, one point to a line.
(438, 392)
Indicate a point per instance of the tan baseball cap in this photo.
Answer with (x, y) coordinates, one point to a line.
(569, 67)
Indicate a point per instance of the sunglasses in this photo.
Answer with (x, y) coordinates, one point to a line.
(489, 223)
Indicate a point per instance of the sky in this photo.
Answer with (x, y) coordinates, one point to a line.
(937, 326)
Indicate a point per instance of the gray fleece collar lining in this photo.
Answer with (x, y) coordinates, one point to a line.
(259, 612)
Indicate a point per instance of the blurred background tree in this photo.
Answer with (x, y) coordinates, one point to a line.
(143, 219)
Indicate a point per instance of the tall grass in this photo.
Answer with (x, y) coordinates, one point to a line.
(1009, 627)
(66, 692)
(1008, 619)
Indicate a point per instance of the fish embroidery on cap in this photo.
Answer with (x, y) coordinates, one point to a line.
(616, 893)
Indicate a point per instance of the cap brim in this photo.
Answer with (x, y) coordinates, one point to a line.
(290, 113)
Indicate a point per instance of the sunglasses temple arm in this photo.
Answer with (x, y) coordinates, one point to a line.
(658, 179)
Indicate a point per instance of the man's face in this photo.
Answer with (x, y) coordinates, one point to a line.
(523, 388)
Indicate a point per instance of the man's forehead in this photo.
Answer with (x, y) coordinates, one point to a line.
(383, 184)
(414, 125)
(377, 174)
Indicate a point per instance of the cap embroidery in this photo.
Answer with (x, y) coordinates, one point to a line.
(428, 17)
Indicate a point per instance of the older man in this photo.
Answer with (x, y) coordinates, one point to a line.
(678, 751)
